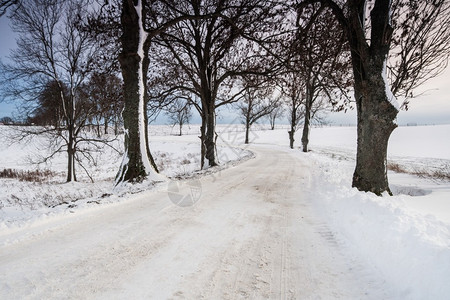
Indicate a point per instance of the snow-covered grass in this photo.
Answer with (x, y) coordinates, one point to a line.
(406, 237)
(23, 202)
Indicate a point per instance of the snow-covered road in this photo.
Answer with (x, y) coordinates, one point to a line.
(253, 234)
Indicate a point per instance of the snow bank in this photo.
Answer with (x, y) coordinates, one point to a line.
(410, 250)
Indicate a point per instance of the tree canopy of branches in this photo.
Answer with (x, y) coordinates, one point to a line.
(49, 109)
(420, 45)
(372, 28)
(141, 22)
(320, 57)
(105, 94)
(292, 87)
(179, 113)
(5, 5)
(205, 58)
(275, 114)
(257, 102)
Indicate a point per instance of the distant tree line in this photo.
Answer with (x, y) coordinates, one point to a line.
(100, 99)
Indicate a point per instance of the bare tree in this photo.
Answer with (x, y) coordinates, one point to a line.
(276, 113)
(370, 39)
(292, 86)
(209, 55)
(257, 102)
(53, 57)
(137, 162)
(49, 108)
(321, 58)
(179, 112)
(105, 94)
(142, 21)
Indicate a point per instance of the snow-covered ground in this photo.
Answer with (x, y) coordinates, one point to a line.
(282, 225)
(23, 202)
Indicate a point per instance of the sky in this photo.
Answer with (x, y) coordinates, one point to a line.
(433, 107)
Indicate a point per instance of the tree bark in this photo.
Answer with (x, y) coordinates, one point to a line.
(247, 120)
(210, 143)
(293, 124)
(99, 132)
(376, 121)
(291, 138)
(71, 155)
(305, 134)
(153, 168)
(247, 129)
(306, 125)
(137, 162)
(202, 140)
(376, 112)
(106, 126)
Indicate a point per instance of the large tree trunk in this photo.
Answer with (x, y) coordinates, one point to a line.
(376, 121)
(306, 125)
(291, 137)
(99, 132)
(71, 155)
(116, 126)
(377, 108)
(293, 125)
(247, 130)
(305, 133)
(137, 163)
(153, 168)
(106, 125)
(202, 140)
(70, 166)
(210, 141)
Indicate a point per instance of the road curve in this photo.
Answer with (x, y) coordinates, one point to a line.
(252, 234)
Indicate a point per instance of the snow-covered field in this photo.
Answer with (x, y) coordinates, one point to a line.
(334, 242)
(23, 202)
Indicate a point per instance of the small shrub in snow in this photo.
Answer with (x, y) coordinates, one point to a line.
(31, 176)
(440, 173)
(396, 168)
(443, 173)
(185, 161)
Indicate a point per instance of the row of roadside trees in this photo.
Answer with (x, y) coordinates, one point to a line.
(206, 54)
